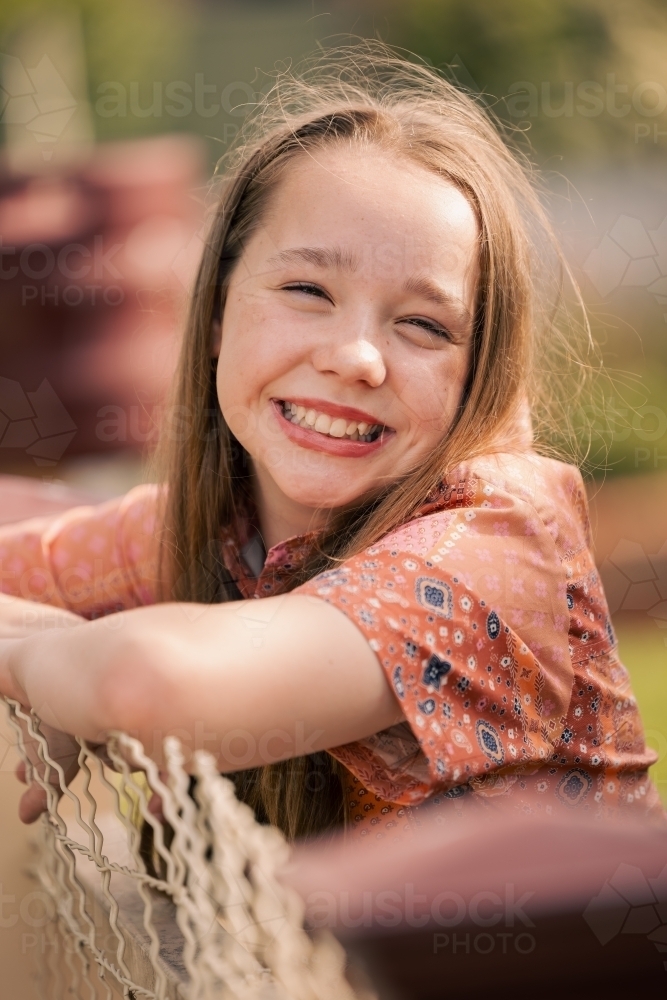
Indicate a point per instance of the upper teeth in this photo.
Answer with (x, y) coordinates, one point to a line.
(338, 427)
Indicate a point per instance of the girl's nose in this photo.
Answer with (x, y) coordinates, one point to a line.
(357, 360)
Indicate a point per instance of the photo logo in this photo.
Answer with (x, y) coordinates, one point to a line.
(630, 256)
(635, 580)
(629, 903)
(37, 98)
(35, 421)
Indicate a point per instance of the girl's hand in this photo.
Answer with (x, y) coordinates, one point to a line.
(63, 749)
(18, 620)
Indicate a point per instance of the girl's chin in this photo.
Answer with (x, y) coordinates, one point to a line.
(325, 497)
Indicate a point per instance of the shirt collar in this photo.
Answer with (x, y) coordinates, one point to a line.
(258, 573)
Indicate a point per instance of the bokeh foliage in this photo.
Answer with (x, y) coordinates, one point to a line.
(490, 46)
(550, 48)
(555, 45)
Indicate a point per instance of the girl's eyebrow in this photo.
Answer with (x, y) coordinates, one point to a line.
(324, 257)
(428, 289)
(337, 259)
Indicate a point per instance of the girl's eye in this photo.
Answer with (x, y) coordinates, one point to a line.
(429, 326)
(307, 288)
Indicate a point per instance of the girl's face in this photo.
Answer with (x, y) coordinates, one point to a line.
(347, 328)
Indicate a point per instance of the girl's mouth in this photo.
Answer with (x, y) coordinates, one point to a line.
(339, 435)
(335, 427)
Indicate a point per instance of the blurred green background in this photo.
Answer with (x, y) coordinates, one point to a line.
(582, 83)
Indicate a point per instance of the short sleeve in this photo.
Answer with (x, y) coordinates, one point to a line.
(466, 611)
(91, 560)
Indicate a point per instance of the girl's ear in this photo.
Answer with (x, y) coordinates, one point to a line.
(216, 338)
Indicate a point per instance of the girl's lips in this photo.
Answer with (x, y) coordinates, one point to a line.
(307, 438)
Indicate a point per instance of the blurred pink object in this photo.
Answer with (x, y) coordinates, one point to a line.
(21, 498)
(94, 274)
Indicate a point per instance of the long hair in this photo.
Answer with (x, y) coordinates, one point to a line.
(363, 95)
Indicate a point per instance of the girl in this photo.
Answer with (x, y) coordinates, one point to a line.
(362, 586)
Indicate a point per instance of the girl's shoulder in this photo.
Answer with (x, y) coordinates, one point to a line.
(512, 493)
(140, 503)
(525, 474)
(129, 521)
(553, 489)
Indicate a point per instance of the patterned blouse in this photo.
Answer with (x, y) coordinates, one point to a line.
(485, 611)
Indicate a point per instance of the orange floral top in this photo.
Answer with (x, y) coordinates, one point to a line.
(486, 613)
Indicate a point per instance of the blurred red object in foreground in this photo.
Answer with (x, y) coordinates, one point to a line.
(485, 901)
(94, 273)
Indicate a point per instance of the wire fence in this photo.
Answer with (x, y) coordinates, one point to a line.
(190, 907)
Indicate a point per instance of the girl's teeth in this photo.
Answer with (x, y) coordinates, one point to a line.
(323, 423)
(338, 428)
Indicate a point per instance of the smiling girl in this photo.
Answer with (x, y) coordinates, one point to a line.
(362, 587)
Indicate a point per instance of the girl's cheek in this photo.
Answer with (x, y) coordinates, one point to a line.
(427, 398)
(241, 421)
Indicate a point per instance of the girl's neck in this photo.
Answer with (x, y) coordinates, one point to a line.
(279, 516)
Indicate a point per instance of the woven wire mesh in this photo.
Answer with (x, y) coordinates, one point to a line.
(206, 918)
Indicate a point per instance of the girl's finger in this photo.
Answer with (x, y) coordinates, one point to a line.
(32, 804)
(155, 807)
(21, 772)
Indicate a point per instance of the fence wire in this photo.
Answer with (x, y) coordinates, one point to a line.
(203, 916)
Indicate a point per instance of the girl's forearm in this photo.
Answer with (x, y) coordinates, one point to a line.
(252, 682)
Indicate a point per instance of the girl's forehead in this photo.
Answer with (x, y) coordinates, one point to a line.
(373, 180)
(369, 194)
(347, 208)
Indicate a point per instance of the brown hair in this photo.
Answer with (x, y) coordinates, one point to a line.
(367, 95)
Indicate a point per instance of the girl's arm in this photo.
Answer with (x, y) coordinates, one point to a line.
(252, 682)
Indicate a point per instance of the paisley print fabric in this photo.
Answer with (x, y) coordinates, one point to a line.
(486, 613)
